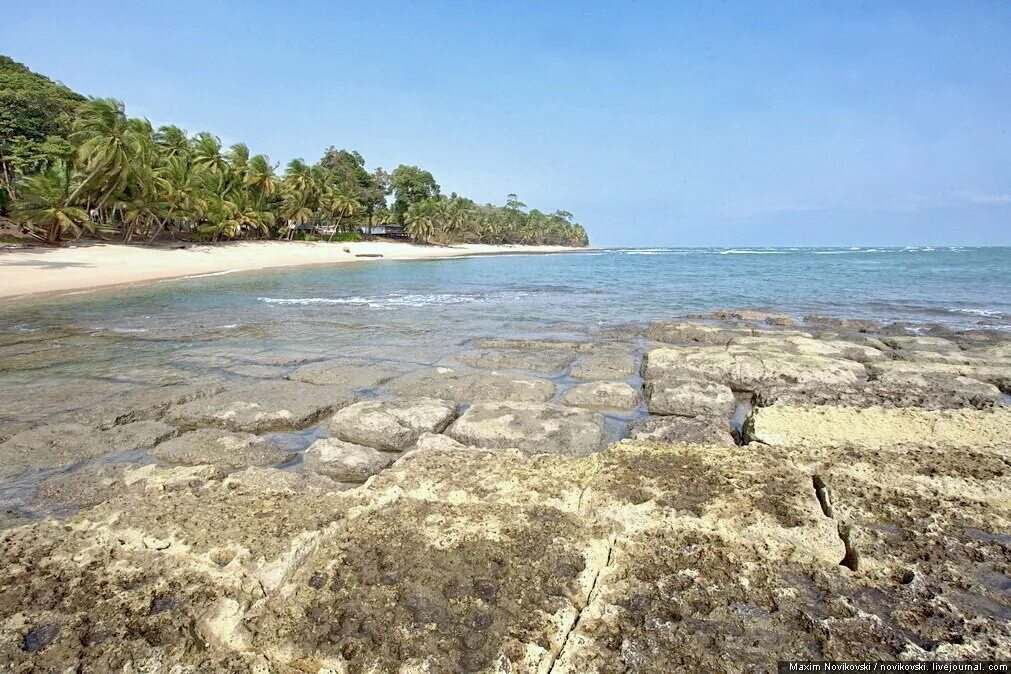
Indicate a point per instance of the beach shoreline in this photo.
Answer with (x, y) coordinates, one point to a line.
(33, 272)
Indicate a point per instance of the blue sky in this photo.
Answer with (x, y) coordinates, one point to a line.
(656, 123)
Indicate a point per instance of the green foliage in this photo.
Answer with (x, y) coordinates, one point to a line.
(410, 185)
(341, 237)
(35, 115)
(71, 163)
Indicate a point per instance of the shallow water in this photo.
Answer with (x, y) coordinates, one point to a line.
(524, 293)
(243, 327)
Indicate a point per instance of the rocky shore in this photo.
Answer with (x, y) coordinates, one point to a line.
(710, 493)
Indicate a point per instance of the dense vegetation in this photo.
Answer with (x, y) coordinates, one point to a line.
(73, 166)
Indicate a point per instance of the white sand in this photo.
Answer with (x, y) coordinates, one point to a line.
(33, 271)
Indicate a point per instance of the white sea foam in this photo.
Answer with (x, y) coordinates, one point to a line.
(213, 273)
(738, 251)
(410, 300)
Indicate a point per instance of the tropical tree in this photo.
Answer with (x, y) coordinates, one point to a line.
(44, 207)
(340, 204)
(420, 221)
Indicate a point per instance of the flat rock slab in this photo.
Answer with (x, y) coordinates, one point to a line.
(602, 395)
(261, 407)
(352, 373)
(920, 343)
(530, 427)
(391, 425)
(535, 360)
(876, 427)
(218, 447)
(746, 369)
(467, 386)
(345, 461)
(996, 373)
(60, 445)
(891, 389)
(689, 398)
(147, 404)
(688, 332)
(684, 430)
(534, 345)
(604, 364)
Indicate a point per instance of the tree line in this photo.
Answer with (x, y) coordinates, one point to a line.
(72, 166)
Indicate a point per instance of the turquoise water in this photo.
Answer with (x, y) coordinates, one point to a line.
(481, 296)
(424, 311)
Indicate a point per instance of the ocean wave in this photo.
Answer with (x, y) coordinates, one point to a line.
(977, 312)
(851, 251)
(410, 300)
(200, 276)
(738, 251)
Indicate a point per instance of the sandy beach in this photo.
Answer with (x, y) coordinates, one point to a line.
(36, 271)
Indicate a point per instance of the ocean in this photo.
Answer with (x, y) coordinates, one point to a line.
(523, 294)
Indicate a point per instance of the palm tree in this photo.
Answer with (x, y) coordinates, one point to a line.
(143, 207)
(206, 153)
(260, 176)
(108, 143)
(44, 205)
(342, 205)
(420, 223)
(172, 142)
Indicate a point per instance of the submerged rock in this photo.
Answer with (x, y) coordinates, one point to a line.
(533, 428)
(345, 461)
(689, 398)
(534, 360)
(605, 363)
(261, 407)
(466, 386)
(391, 425)
(60, 445)
(602, 395)
(352, 373)
(221, 448)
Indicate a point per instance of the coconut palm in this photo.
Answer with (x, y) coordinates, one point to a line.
(44, 207)
(108, 145)
(206, 153)
(260, 176)
(420, 221)
(341, 204)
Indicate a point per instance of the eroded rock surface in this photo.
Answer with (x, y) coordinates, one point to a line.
(745, 368)
(261, 407)
(223, 448)
(466, 386)
(533, 428)
(352, 373)
(346, 461)
(689, 398)
(391, 425)
(60, 445)
(843, 531)
(602, 395)
(535, 360)
(874, 427)
(684, 430)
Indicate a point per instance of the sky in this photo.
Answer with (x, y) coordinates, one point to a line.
(655, 123)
